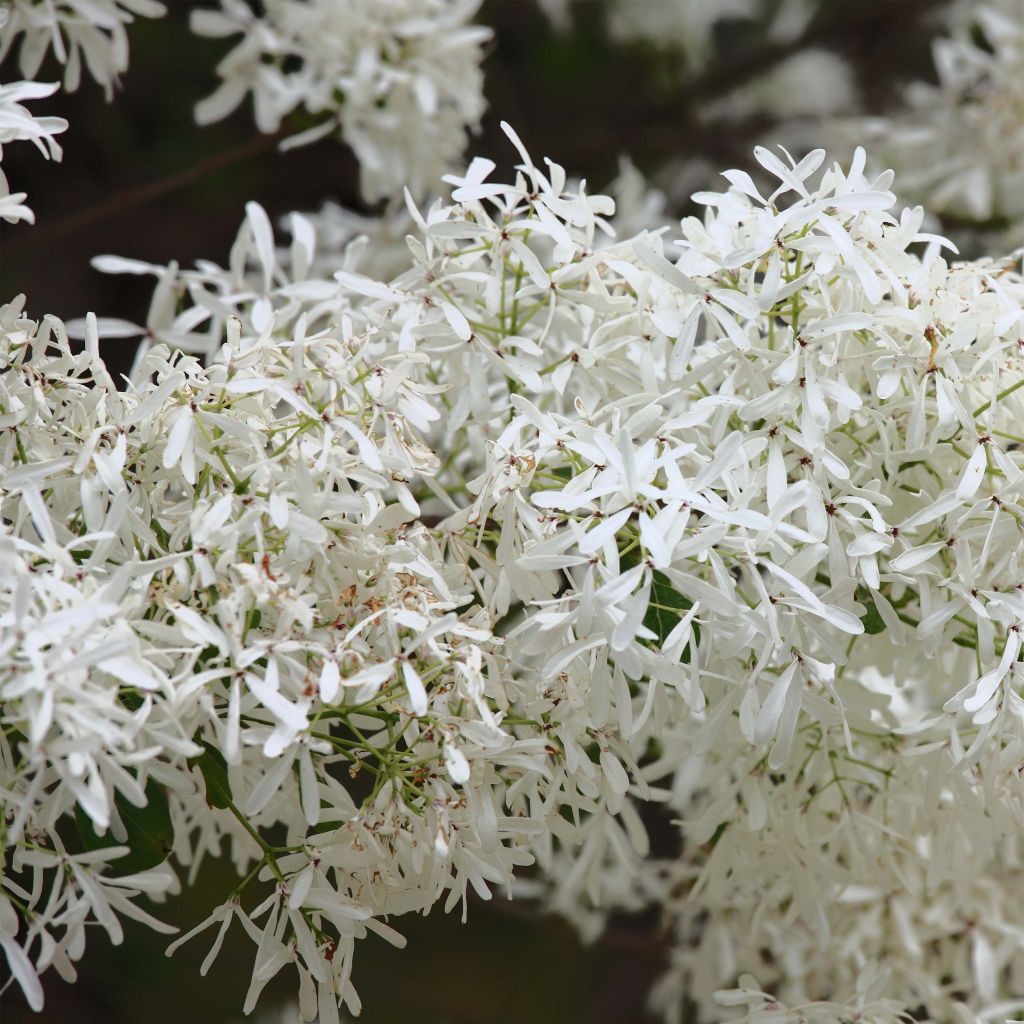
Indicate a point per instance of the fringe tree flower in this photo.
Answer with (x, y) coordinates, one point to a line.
(89, 33)
(391, 587)
(398, 80)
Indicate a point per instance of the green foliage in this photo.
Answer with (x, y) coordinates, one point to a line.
(666, 609)
(873, 622)
(150, 834)
(214, 770)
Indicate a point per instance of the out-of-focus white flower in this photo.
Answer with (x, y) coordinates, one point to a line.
(671, 24)
(957, 144)
(399, 80)
(811, 83)
(760, 1007)
(345, 240)
(557, 11)
(89, 33)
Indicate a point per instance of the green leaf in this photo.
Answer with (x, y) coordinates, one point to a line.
(131, 699)
(150, 833)
(215, 775)
(208, 655)
(325, 826)
(873, 622)
(667, 607)
(718, 833)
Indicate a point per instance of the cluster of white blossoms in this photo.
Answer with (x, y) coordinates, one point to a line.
(957, 144)
(464, 549)
(78, 33)
(222, 619)
(761, 1008)
(398, 80)
(772, 478)
(398, 586)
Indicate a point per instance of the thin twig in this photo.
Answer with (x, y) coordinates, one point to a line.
(152, 190)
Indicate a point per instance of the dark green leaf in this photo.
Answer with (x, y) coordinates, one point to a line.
(873, 622)
(666, 609)
(131, 699)
(718, 833)
(215, 774)
(325, 826)
(150, 834)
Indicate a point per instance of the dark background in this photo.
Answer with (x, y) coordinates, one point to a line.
(139, 179)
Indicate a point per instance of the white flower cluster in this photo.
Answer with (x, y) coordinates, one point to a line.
(957, 145)
(782, 92)
(222, 618)
(89, 33)
(409, 583)
(738, 496)
(18, 123)
(399, 80)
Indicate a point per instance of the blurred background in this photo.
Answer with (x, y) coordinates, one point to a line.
(684, 88)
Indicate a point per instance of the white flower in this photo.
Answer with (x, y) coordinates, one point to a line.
(405, 584)
(398, 80)
(18, 123)
(953, 144)
(686, 27)
(78, 32)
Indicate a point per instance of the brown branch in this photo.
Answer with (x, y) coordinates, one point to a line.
(143, 194)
